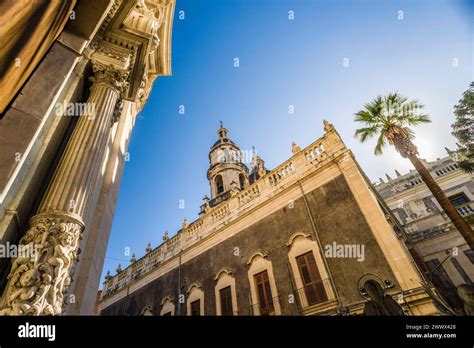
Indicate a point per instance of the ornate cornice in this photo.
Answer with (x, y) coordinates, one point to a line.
(114, 53)
(143, 29)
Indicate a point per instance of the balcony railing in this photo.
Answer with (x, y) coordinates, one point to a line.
(266, 307)
(314, 294)
(466, 209)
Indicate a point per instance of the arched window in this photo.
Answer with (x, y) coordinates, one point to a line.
(195, 302)
(242, 181)
(219, 184)
(147, 311)
(167, 306)
(226, 296)
(311, 278)
(263, 290)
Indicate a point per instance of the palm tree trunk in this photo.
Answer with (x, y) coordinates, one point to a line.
(461, 225)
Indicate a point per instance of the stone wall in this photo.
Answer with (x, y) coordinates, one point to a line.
(337, 218)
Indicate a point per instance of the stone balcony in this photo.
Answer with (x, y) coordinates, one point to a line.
(467, 212)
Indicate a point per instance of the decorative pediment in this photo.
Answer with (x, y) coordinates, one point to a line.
(296, 235)
(256, 255)
(166, 299)
(222, 272)
(194, 285)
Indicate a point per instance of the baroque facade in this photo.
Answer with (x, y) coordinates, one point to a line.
(443, 249)
(72, 87)
(306, 238)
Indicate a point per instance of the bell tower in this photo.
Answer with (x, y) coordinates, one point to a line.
(227, 171)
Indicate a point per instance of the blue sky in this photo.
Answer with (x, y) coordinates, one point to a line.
(427, 55)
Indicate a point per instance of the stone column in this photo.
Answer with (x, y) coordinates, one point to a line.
(37, 283)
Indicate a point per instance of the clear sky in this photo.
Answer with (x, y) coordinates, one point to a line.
(424, 52)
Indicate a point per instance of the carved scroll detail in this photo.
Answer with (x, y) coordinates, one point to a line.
(37, 283)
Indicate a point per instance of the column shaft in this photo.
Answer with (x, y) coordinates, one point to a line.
(37, 282)
(79, 166)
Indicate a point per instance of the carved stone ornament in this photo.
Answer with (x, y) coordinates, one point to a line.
(327, 126)
(117, 110)
(110, 76)
(295, 148)
(37, 283)
(143, 92)
(234, 188)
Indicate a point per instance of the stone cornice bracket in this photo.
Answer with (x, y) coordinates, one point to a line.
(145, 19)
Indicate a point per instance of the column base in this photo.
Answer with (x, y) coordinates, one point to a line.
(41, 275)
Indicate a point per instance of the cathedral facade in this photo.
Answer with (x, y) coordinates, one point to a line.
(74, 75)
(309, 237)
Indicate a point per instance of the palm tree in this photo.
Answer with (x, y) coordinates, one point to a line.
(389, 117)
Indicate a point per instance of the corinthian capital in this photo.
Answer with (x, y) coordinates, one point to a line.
(109, 75)
(111, 66)
(39, 280)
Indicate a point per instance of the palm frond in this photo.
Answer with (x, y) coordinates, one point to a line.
(365, 133)
(365, 116)
(417, 119)
(389, 116)
(380, 144)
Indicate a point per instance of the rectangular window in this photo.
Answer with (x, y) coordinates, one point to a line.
(312, 283)
(264, 293)
(196, 308)
(470, 255)
(226, 301)
(458, 199)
